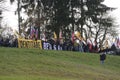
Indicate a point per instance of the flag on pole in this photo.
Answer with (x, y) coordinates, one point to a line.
(36, 34)
(60, 35)
(72, 37)
(55, 36)
(43, 36)
(32, 32)
(118, 43)
(77, 34)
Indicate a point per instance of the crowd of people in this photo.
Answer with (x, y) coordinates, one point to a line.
(80, 45)
(7, 42)
(69, 45)
(73, 44)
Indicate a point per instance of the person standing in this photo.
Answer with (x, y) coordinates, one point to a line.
(102, 57)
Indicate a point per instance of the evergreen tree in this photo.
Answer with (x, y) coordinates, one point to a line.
(86, 16)
(94, 15)
(58, 14)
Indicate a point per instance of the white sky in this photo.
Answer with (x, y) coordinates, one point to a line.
(9, 17)
(11, 20)
(116, 4)
(115, 13)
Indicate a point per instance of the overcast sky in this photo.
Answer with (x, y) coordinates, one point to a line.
(11, 20)
(9, 17)
(116, 4)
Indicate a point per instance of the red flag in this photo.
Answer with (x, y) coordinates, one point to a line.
(60, 34)
(118, 43)
(72, 37)
(36, 33)
(32, 32)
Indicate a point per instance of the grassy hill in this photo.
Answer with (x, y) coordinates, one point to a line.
(35, 64)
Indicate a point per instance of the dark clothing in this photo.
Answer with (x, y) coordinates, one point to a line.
(102, 57)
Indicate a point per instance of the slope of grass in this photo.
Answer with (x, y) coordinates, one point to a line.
(35, 64)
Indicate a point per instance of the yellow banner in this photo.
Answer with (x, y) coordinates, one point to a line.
(24, 43)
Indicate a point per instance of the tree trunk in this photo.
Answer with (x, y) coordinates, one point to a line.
(104, 36)
(19, 16)
(72, 16)
(82, 17)
(38, 22)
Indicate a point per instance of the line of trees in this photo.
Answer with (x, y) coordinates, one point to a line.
(89, 17)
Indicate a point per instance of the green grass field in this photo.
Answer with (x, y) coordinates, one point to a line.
(35, 64)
